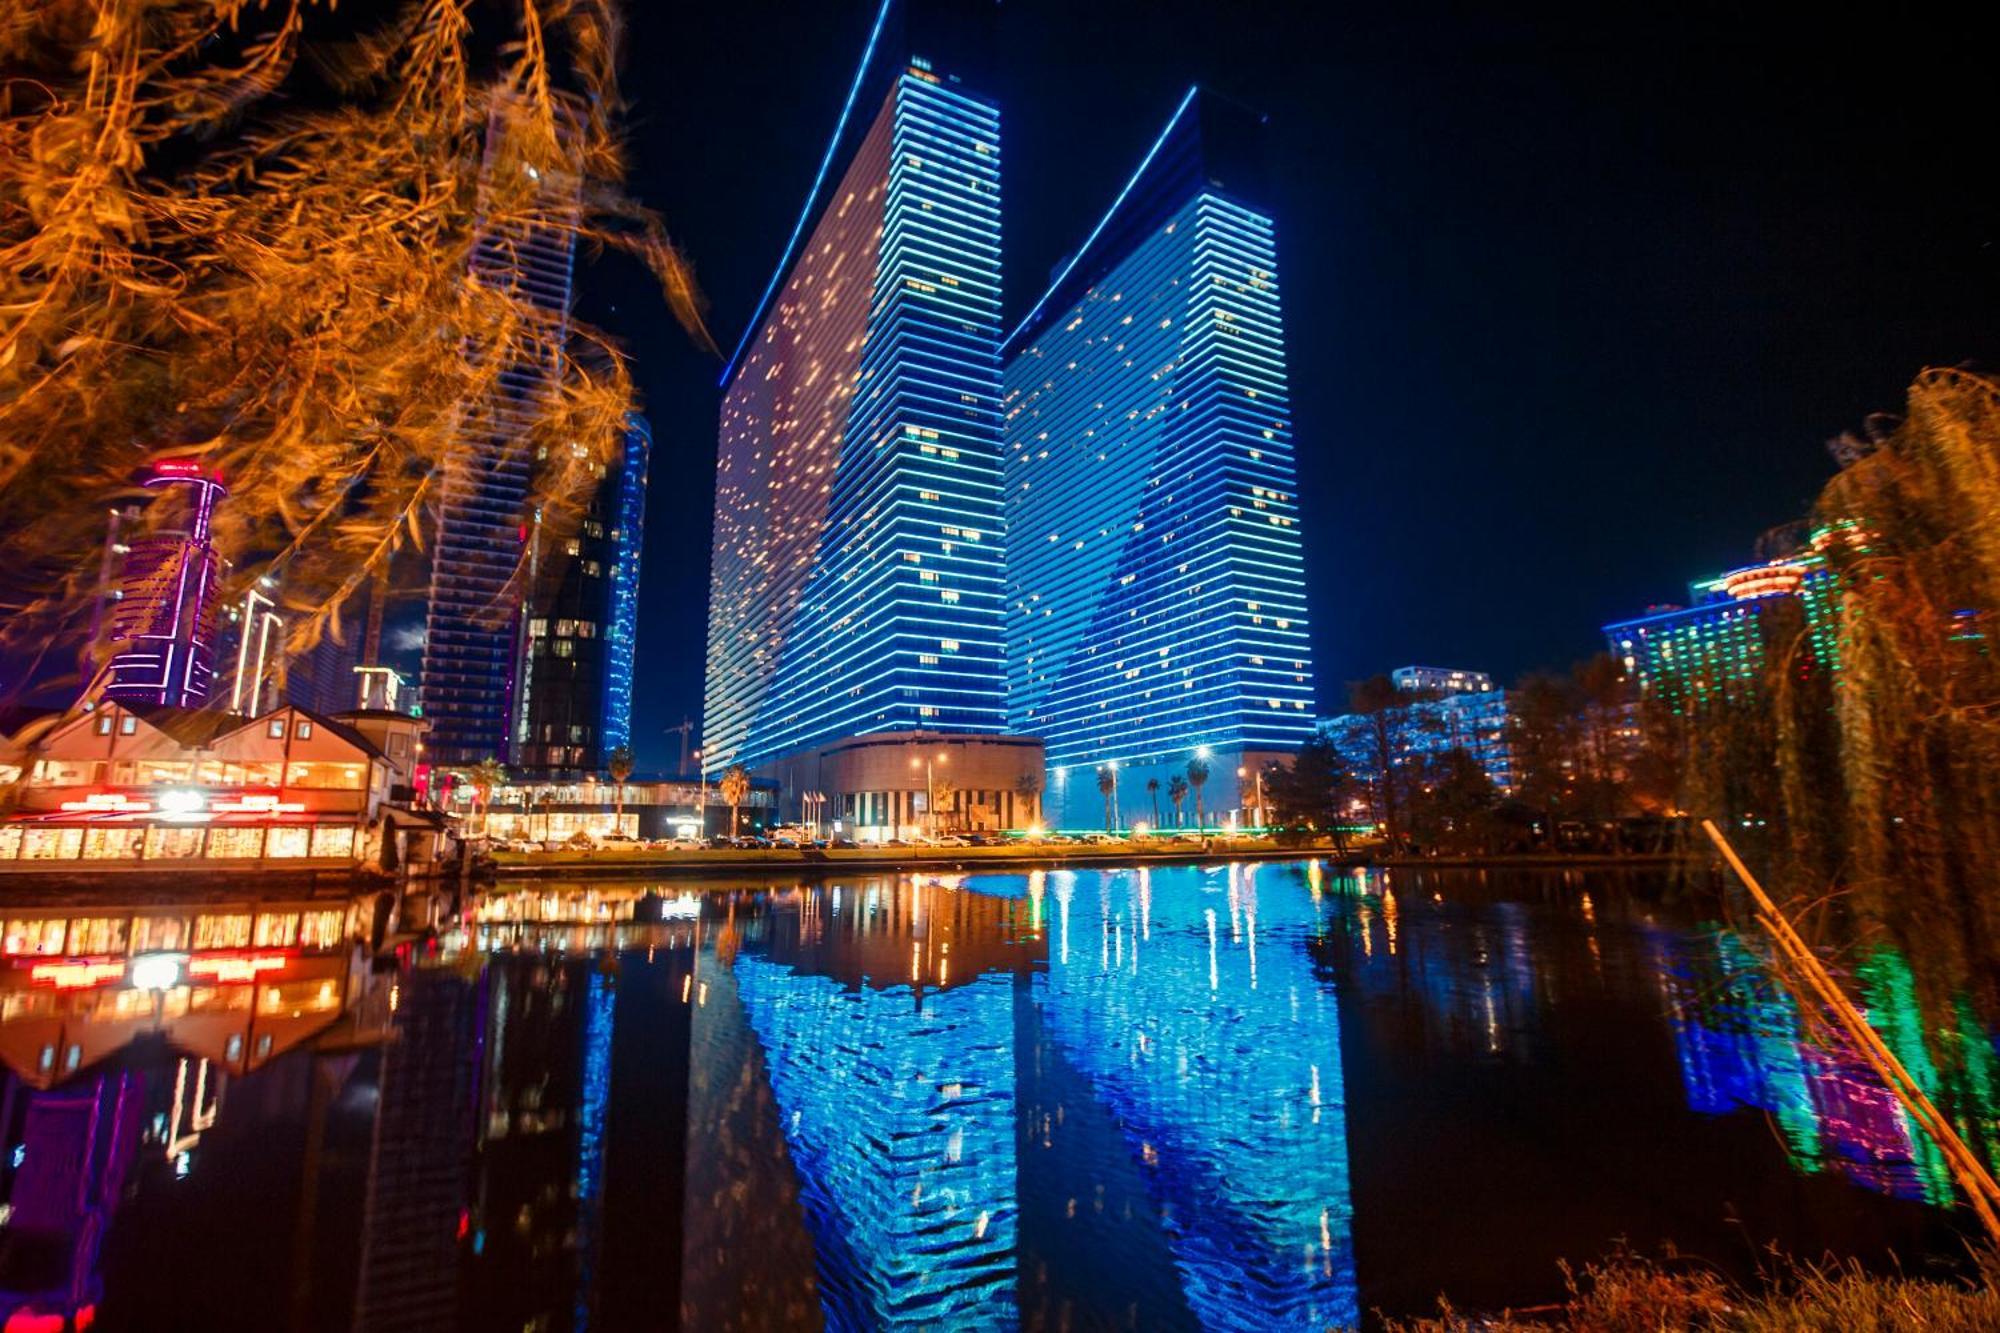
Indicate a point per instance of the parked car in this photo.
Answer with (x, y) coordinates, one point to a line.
(843, 844)
(686, 844)
(621, 842)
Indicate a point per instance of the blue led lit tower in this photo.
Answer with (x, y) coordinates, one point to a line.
(621, 627)
(1156, 607)
(857, 564)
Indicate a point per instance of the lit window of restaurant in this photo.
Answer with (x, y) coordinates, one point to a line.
(277, 930)
(291, 840)
(120, 842)
(51, 844)
(222, 930)
(165, 842)
(333, 777)
(334, 840)
(235, 843)
(322, 930)
(151, 933)
(36, 937)
(97, 934)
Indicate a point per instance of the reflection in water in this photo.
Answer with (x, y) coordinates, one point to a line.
(1187, 1000)
(1743, 1044)
(1227, 1096)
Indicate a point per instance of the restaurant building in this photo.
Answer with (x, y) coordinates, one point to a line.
(134, 783)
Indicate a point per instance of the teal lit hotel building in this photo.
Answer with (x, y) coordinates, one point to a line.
(957, 572)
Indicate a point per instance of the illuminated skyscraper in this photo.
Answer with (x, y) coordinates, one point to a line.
(621, 626)
(1156, 608)
(473, 627)
(162, 625)
(856, 579)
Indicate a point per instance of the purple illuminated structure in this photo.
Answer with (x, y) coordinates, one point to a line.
(163, 625)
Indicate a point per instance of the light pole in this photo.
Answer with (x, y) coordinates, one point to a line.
(700, 796)
(1258, 778)
(930, 790)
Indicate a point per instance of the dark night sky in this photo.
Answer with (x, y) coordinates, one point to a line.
(1573, 300)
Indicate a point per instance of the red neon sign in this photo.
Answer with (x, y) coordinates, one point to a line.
(232, 967)
(177, 467)
(76, 974)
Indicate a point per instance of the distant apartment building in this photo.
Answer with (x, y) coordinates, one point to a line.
(1476, 722)
(856, 580)
(1155, 598)
(1440, 680)
(1717, 648)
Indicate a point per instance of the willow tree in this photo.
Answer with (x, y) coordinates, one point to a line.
(1912, 525)
(245, 233)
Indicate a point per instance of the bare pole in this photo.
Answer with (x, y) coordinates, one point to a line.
(1966, 1168)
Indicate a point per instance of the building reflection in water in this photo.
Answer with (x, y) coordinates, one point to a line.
(939, 1068)
(1052, 1099)
(1743, 1044)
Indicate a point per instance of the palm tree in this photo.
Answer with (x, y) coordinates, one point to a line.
(1197, 771)
(619, 764)
(942, 795)
(484, 777)
(1153, 790)
(1107, 785)
(1029, 785)
(1177, 792)
(735, 786)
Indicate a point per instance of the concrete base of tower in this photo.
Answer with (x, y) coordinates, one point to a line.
(1230, 796)
(908, 784)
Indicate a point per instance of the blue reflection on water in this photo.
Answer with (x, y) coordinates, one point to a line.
(1184, 998)
(900, 1122)
(1187, 997)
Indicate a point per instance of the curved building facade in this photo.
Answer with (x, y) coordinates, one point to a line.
(856, 579)
(1155, 581)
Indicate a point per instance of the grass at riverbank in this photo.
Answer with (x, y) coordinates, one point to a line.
(1628, 1294)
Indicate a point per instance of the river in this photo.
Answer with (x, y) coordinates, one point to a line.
(1267, 1095)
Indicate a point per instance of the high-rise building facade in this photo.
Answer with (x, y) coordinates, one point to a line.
(162, 621)
(473, 631)
(1156, 606)
(574, 702)
(628, 540)
(855, 587)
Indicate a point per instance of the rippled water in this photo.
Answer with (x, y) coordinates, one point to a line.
(1255, 1096)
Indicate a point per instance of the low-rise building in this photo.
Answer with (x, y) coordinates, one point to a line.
(134, 783)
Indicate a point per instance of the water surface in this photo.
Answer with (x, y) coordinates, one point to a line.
(1233, 1096)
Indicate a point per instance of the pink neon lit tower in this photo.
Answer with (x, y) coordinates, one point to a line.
(163, 625)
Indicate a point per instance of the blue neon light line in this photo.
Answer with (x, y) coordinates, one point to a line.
(1103, 222)
(812, 196)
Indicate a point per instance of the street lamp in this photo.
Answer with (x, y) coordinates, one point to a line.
(930, 789)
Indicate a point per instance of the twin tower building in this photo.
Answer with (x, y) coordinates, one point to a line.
(968, 577)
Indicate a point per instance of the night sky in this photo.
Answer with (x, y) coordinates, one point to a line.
(1573, 300)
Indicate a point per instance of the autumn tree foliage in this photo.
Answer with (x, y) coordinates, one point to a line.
(242, 232)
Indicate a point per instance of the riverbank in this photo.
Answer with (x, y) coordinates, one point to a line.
(569, 864)
(1630, 1295)
(694, 864)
